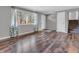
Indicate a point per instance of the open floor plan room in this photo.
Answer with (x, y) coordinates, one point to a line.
(39, 29)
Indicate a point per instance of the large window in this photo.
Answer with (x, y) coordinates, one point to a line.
(24, 18)
(21, 17)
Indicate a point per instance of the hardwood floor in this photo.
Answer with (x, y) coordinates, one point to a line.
(42, 42)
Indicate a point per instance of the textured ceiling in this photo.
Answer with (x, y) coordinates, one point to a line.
(48, 9)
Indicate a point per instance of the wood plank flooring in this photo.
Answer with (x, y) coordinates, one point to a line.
(42, 42)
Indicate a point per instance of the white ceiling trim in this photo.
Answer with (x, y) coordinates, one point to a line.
(48, 9)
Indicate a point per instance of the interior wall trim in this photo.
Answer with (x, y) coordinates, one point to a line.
(27, 10)
(4, 38)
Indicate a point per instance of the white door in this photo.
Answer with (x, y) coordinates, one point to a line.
(61, 22)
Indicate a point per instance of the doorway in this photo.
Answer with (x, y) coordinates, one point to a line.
(73, 26)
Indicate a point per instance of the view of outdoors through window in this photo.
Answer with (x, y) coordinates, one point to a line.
(24, 18)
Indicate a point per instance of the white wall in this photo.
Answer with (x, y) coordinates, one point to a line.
(39, 21)
(66, 21)
(5, 19)
(25, 29)
(51, 22)
(43, 22)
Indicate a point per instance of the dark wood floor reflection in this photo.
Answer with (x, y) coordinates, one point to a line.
(42, 42)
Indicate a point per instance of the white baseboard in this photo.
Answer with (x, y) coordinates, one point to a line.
(25, 33)
(3, 38)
